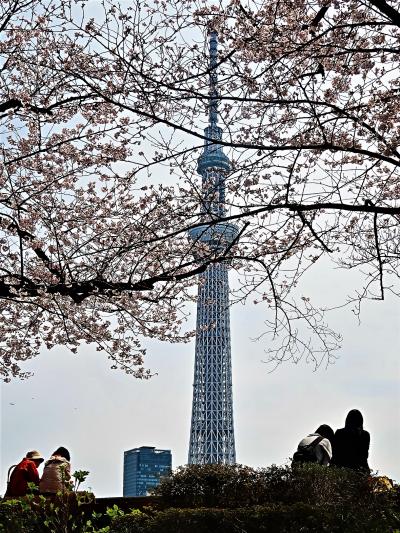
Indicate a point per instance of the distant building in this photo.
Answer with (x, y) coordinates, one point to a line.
(143, 468)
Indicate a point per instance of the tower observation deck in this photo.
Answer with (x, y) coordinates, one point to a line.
(212, 435)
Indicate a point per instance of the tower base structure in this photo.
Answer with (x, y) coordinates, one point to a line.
(212, 434)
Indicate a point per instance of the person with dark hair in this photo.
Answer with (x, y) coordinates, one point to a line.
(316, 447)
(23, 473)
(63, 452)
(351, 443)
(56, 473)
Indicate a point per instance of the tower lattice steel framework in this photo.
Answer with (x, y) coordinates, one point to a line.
(212, 435)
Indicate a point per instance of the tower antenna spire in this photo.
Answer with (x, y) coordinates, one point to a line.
(213, 108)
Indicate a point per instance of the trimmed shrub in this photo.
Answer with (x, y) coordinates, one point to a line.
(275, 518)
(230, 486)
(337, 499)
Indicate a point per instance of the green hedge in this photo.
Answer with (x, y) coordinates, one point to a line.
(275, 518)
(225, 498)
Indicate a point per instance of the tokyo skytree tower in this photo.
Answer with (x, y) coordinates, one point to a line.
(212, 437)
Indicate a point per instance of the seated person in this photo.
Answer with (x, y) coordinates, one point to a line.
(351, 444)
(56, 473)
(316, 447)
(25, 472)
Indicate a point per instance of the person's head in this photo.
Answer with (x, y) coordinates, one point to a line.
(354, 420)
(63, 452)
(35, 456)
(326, 432)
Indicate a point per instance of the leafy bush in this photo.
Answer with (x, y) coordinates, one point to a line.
(211, 486)
(17, 515)
(62, 513)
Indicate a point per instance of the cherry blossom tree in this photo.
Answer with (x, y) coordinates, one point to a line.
(102, 112)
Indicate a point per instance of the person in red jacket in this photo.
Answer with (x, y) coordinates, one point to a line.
(25, 472)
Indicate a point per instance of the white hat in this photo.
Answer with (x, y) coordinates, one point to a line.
(34, 455)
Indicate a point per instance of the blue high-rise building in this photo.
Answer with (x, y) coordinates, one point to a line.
(143, 469)
(211, 435)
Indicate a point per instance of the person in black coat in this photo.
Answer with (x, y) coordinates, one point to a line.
(351, 444)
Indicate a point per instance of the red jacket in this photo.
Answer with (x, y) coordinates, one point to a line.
(25, 472)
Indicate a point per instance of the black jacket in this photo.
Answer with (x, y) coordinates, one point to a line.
(350, 449)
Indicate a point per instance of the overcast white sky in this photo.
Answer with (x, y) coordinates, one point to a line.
(77, 402)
